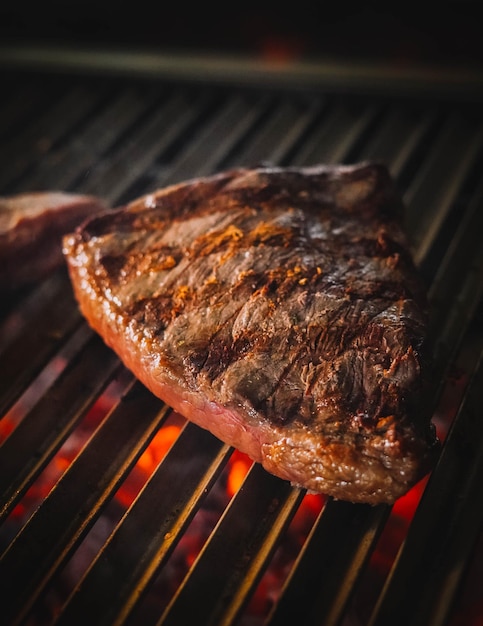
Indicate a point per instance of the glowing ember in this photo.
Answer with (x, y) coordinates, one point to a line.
(147, 463)
(7, 425)
(193, 539)
(238, 468)
(158, 448)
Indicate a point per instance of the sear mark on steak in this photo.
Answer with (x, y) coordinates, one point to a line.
(280, 309)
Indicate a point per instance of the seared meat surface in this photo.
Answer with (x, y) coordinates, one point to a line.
(31, 230)
(280, 309)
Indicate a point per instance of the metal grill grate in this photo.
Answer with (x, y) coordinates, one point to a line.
(119, 138)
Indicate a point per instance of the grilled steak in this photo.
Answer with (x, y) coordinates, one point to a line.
(31, 230)
(280, 309)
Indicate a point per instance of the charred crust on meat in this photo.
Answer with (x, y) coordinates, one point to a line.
(281, 309)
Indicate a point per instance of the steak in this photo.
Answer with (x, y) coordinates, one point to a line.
(31, 230)
(280, 309)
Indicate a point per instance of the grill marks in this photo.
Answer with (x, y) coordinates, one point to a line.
(278, 308)
(216, 311)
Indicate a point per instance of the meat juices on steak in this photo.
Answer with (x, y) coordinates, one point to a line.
(280, 309)
(31, 229)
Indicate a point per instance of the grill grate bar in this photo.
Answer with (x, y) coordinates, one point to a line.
(456, 290)
(459, 280)
(275, 137)
(201, 153)
(214, 141)
(399, 135)
(343, 560)
(286, 125)
(384, 145)
(182, 164)
(434, 191)
(268, 142)
(31, 145)
(295, 130)
(118, 577)
(16, 106)
(335, 552)
(43, 430)
(332, 140)
(24, 358)
(423, 584)
(220, 582)
(58, 525)
(270, 134)
(73, 161)
(349, 565)
(18, 313)
(165, 137)
(154, 134)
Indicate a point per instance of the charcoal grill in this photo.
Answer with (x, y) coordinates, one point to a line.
(118, 133)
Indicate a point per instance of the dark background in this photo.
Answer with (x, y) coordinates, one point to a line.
(404, 33)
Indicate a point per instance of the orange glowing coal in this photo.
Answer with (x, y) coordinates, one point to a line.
(158, 448)
(147, 463)
(6, 427)
(239, 465)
